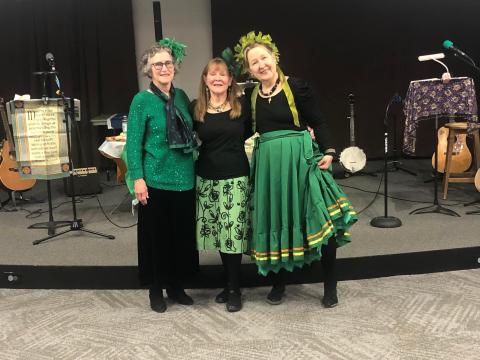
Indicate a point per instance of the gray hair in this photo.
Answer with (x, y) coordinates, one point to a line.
(145, 65)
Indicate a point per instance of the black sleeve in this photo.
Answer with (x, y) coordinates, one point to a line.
(308, 106)
(247, 114)
(191, 110)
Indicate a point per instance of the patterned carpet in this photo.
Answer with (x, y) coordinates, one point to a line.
(433, 316)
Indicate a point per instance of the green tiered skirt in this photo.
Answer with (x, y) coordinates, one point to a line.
(296, 207)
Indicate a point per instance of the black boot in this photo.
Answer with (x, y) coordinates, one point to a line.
(231, 295)
(329, 257)
(330, 298)
(177, 294)
(234, 302)
(222, 297)
(157, 302)
(277, 294)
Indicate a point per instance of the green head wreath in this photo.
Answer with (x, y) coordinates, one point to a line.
(178, 49)
(234, 67)
(251, 38)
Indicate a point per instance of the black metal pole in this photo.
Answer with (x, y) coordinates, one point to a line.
(386, 221)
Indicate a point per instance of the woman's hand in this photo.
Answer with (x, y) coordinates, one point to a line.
(312, 134)
(141, 191)
(325, 162)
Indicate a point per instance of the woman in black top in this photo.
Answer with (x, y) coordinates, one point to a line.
(222, 121)
(299, 213)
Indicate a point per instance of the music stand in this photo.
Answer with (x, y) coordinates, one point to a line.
(69, 117)
(431, 99)
(51, 225)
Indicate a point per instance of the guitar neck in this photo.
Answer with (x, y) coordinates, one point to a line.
(3, 114)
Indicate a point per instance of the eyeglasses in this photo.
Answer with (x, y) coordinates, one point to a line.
(159, 65)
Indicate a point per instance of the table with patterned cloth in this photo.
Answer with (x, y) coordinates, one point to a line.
(433, 98)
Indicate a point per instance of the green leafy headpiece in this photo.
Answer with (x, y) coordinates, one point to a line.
(252, 38)
(233, 67)
(178, 49)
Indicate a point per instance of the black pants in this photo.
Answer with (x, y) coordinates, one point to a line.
(328, 260)
(167, 254)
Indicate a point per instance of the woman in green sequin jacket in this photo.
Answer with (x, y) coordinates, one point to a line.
(160, 162)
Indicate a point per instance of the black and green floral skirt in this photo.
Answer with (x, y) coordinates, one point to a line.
(222, 214)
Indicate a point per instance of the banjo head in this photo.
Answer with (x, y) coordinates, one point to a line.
(353, 159)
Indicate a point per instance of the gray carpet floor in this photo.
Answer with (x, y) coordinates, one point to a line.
(431, 316)
(418, 232)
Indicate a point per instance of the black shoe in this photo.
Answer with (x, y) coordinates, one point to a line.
(276, 295)
(234, 302)
(179, 296)
(222, 297)
(330, 299)
(157, 302)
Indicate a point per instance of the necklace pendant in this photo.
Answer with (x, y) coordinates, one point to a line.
(269, 100)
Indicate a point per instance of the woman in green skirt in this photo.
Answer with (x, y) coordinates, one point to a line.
(223, 122)
(299, 212)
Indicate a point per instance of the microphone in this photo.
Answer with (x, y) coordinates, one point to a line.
(50, 60)
(447, 44)
(431, 57)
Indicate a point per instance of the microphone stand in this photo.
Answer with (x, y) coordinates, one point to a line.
(69, 111)
(468, 61)
(396, 164)
(386, 221)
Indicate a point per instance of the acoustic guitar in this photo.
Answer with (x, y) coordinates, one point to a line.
(477, 180)
(461, 156)
(9, 175)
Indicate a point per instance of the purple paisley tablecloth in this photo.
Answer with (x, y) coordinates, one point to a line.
(427, 99)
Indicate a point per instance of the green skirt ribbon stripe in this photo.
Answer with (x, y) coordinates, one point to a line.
(296, 206)
(222, 217)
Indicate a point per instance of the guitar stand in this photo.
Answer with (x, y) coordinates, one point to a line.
(396, 165)
(12, 196)
(348, 174)
(474, 212)
(436, 207)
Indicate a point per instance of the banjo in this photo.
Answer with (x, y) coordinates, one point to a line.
(352, 158)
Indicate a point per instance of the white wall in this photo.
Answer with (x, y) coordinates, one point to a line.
(189, 22)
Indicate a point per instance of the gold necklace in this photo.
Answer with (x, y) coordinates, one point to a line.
(218, 108)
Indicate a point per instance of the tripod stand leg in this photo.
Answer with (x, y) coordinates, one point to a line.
(438, 209)
(74, 226)
(472, 203)
(98, 233)
(36, 242)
